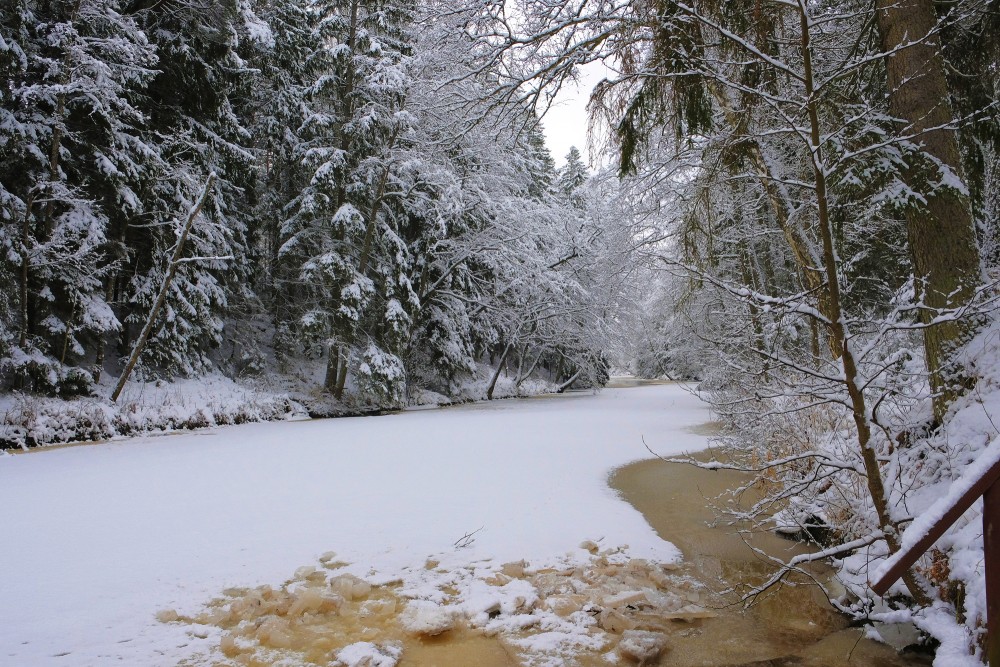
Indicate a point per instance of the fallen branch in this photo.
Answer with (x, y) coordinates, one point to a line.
(161, 297)
(467, 539)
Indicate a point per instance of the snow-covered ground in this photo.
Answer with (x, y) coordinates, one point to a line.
(97, 539)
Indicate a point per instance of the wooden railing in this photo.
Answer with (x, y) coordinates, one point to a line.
(981, 479)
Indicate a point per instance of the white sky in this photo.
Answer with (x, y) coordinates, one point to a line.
(566, 122)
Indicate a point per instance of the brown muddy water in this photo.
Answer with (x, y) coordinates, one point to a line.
(793, 625)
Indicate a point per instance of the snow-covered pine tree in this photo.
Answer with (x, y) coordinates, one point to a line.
(191, 105)
(351, 295)
(573, 174)
(455, 172)
(73, 159)
(275, 112)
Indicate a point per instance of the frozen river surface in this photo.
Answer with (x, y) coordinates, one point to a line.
(97, 539)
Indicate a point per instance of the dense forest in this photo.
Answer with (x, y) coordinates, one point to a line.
(800, 215)
(372, 208)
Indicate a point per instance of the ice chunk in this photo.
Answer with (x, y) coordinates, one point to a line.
(309, 573)
(614, 621)
(350, 587)
(498, 579)
(641, 646)
(274, 633)
(307, 600)
(660, 579)
(514, 570)
(564, 605)
(422, 617)
(624, 599)
(690, 613)
(229, 647)
(367, 654)
(167, 616)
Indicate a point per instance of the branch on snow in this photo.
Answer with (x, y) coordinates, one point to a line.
(207, 258)
(796, 563)
(823, 458)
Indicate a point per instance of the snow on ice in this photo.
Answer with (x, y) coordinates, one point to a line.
(99, 540)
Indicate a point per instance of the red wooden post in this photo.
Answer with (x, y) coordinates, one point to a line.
(991, 544)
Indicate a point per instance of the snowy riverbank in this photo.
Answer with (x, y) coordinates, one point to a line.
(28, 420)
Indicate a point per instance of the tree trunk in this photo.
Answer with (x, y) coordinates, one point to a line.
(744, 253)
(347, 93)
(521, 377)
(839, 334)
(334, 358)
(942, 234)
(109, 297)
(804, 252)
(25, 274)
(48, 218)
(806, 260)
(496, 376)
(565, 385)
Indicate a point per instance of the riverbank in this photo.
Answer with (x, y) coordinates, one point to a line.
(29, 421)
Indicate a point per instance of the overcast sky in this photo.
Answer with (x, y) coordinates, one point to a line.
(566, 122)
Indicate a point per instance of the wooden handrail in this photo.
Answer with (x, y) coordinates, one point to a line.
(982, 479)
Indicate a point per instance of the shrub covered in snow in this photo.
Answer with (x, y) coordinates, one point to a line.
(30, 421)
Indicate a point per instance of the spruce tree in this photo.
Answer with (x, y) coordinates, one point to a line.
(191, 105)
(342, 237)
(574, 173)
(276, 112)
(74, 160)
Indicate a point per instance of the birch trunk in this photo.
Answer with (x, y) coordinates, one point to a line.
(161, 297)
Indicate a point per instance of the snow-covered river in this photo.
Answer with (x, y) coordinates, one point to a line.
(97, 539)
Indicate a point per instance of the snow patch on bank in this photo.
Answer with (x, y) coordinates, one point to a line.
(968, 441)
(143, 407)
